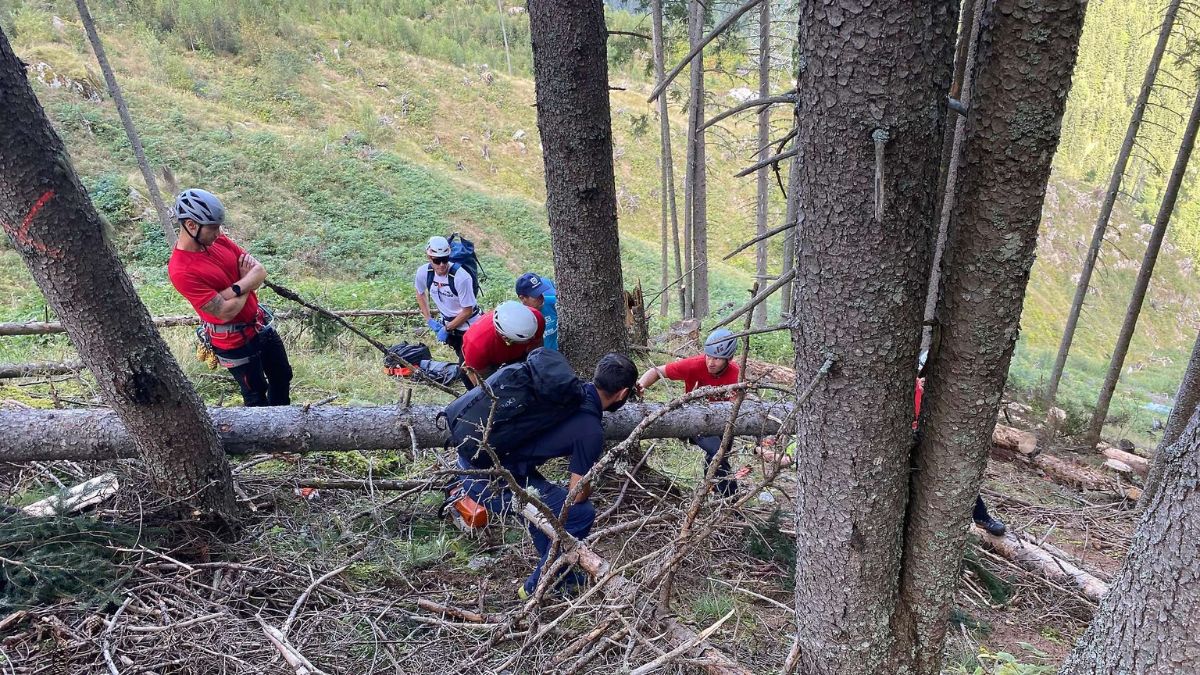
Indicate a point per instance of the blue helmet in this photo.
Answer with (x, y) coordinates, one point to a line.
(719, 346)
(201, 206)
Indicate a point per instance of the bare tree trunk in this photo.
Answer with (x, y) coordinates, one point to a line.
(570, 65)
(1023, 80)
(764, 139)
(1147, 621)
(50, 435)
(689, 191)
(1110, 198)
(964, 67)
(699, 204)
(791, 215)
(59, 235)
(504, 33)
(164, 216)
(1170, 194)
(867, 188)
(1187, 397)
(667, 160)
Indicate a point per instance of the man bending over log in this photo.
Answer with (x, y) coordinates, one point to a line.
(579, 437)
(219, 279)
(713, 368)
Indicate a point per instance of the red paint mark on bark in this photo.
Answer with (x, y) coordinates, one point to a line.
(21, 235)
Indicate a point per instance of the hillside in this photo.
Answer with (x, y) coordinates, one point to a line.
(339, 150)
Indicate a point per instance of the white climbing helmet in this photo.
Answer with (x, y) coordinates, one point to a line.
(515, 321)
(438, 247)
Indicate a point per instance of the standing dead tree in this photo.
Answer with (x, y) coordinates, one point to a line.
(764, 140)
(697, 175)
(1142, 284)
(60, 237)
(866, 185)
(1110, 199)
(666, 164)
(1022, 79)
(164, 216)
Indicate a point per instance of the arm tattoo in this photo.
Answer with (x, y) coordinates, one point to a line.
(213, 306)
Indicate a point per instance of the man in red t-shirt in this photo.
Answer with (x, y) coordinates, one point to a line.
(219, 279)
(501, 337)
(713, 368)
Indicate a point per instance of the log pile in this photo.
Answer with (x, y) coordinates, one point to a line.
(1009, 443)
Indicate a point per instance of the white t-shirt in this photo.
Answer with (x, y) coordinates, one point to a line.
(446, 301)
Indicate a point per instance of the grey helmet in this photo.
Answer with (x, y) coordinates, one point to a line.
(201, 206)
(719, 346)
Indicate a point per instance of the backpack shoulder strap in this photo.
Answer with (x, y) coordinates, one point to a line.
(429, 278)
(450, 275)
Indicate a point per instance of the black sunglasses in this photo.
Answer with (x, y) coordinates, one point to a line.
(440, 261)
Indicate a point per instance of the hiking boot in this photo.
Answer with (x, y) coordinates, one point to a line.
(992, 526)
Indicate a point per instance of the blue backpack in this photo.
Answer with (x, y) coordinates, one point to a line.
(462, 257)
(531, 397)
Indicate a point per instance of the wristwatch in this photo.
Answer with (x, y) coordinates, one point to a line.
(237, 290)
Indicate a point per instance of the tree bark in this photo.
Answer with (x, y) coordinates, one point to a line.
(1187, 398)
(872, 91)
(1170, 194)
(699, 203)
(964, 70)
(764, 140)
(58, 233)
(570, 65)
(1020, 94)
(1147, 621)
(667, 160)
(1110, 198)
(164, 216)
(47, 435)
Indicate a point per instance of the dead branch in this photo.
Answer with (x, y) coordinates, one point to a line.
(758, 299)
(756, 103)
(765, 235)
(720, 28)
(775, 159)
(630, 34)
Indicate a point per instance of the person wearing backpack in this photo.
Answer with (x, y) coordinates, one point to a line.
(538, 293)
(713, 368)
(578, 436)
(503, 336)
(452, 287)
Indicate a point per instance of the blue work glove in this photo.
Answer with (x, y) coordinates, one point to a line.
(442, 335)
(434, 325)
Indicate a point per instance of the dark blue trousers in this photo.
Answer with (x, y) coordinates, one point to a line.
(495, 496)
(711, 445)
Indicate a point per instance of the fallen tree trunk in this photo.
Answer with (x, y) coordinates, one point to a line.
(1139, 464)
(9, 371)
(51, 327)
(1033, 557)
(45, 435)
(1009, 443)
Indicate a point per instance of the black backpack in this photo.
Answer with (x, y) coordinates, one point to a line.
(413, 353)
(462, 257)
(531, 397)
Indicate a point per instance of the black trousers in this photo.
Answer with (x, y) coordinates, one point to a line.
(711, 445)
(455, 341)
(265, 377)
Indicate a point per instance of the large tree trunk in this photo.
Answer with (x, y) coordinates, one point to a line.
(59, 235)
(164, 216)
(46, 435)
(764, 139)
(570, 66)
(1023, 79)
(1147, 621)
(699, 203)
(1170, 194)
(1187, 397)
(862, 266)
(667, 163)
(1110, 198)
(952, 149)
